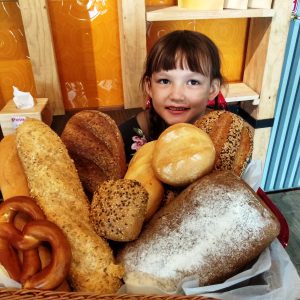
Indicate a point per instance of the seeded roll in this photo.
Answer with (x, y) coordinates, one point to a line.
(118, 209)
(232, 138)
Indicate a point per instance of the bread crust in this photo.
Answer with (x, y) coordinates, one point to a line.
(54, 183)
(95, 144)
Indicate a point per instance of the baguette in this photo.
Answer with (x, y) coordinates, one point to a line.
(55, 184)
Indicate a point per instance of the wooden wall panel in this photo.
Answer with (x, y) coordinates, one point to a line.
(39, 41)
(132, 28)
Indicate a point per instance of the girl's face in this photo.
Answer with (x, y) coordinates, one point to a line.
(181, 95)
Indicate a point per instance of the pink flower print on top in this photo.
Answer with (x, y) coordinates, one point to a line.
(139, 140)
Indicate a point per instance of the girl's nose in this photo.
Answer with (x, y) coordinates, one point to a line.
(177, 93)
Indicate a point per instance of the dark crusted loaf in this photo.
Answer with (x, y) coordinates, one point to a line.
(95, 143)
(232, 138)
(214, 228)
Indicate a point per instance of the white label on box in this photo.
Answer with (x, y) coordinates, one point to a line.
(17, 121)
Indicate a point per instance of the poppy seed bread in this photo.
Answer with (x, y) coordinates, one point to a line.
(118, 209)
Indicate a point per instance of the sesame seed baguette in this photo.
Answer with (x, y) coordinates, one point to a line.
(54, 183)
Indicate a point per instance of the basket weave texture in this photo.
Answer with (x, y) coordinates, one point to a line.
(16, 294)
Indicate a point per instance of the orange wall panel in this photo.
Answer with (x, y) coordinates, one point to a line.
(15, 65)
(86, 39)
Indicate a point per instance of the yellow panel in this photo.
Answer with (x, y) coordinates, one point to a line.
(86, 39)
(15, 65)
(229, 35)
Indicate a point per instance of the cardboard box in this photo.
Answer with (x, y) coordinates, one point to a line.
(259, 3)
(11, 116)
(236, 4)
(201, 4)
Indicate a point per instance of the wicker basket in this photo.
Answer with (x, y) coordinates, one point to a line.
(14, 294)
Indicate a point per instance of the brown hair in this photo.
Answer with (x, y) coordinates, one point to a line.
(186, 49)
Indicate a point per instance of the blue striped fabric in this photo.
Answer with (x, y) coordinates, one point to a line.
(282, 166)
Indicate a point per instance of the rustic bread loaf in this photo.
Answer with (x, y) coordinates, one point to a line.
(55, 185)
(140, 169)
(95, 143)
(214, 228)
(232, 138)
(118, 209)
(182, 154)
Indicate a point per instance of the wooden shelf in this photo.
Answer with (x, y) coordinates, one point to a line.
(238, 92)
(172, 13)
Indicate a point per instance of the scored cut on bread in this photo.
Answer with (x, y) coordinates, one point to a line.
(95, 144)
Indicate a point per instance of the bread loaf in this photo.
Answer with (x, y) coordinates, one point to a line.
(55, 185)
(215, 227)
(140, 169)
(96, 146)
(232, 138)
(118, 209)
(182, 154)
(13, 181)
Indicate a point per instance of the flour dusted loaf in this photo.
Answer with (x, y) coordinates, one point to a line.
(182, 154)
(55, 185)
(96, 146)
(118, 209)
(214, 228)
(232, 138)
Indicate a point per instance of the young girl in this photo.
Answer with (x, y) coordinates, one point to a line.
(182, 74)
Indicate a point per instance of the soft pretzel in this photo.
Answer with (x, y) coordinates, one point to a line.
(9, 258)
(28, 239)
(33, 234)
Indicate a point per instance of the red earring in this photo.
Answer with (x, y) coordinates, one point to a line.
(148, 102)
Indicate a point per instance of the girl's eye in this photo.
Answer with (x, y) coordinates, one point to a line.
(163, 81)
(193, 82)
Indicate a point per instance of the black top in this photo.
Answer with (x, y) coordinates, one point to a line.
(133, 137)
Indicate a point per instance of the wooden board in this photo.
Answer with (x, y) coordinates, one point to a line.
(266, 47)
(132, 27)
(177, 13)
(41, 51)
